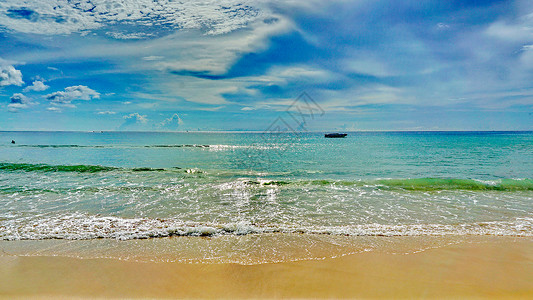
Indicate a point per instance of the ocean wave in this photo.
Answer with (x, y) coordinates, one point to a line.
(261, 178)
(201, 146)
(82, 168)
(54, 168)
(112, 146)
(417, 184)
(84, 227)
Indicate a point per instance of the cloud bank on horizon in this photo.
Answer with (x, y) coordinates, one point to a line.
(237, 64)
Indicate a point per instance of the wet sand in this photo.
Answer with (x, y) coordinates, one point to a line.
(497, 267)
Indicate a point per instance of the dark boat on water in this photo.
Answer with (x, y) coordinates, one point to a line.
(335, 135)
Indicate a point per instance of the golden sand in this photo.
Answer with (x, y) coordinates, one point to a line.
(498, 267)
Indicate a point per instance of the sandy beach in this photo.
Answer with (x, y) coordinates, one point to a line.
(492, 267)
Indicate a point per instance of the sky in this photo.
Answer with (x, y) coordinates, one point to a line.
(242, 65)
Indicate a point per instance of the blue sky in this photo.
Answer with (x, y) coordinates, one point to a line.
(238, 65)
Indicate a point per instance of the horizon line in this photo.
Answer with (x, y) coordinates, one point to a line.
(262, 131)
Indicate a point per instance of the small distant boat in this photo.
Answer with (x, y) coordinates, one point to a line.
(335, 135)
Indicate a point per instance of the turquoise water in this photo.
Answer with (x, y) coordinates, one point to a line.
(130, 185)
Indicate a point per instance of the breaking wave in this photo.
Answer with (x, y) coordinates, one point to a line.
(211, 147)
(84, 227)
(410, 184)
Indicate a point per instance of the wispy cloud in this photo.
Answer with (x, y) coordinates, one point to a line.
(252, 57)
(214, 55)
(152, 57)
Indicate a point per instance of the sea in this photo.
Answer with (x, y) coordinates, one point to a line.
(251, 197)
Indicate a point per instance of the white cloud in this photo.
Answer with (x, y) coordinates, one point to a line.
(129, 36)
(213, 92)
(186, 53)
(19, 101)
(64, 17)
(10, 76)
(37, 86)
(197, 90)
(152, 57)
(214, 55)
(498, 57)
(171, 123)
(443, 26)
(351, 100)
(512, 32)
(133, 121)
(71, 93)
(287, 74)
(302, 72)
(107, 112)
(518, 29)
(54, 108)
(136, 118)
(181, 52)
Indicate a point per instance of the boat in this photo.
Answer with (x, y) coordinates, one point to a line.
(335, 135)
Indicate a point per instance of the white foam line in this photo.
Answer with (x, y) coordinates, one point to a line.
(84, 227)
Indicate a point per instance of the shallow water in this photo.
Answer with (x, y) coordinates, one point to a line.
(122, 185)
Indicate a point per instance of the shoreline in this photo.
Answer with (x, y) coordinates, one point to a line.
(491, 267)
